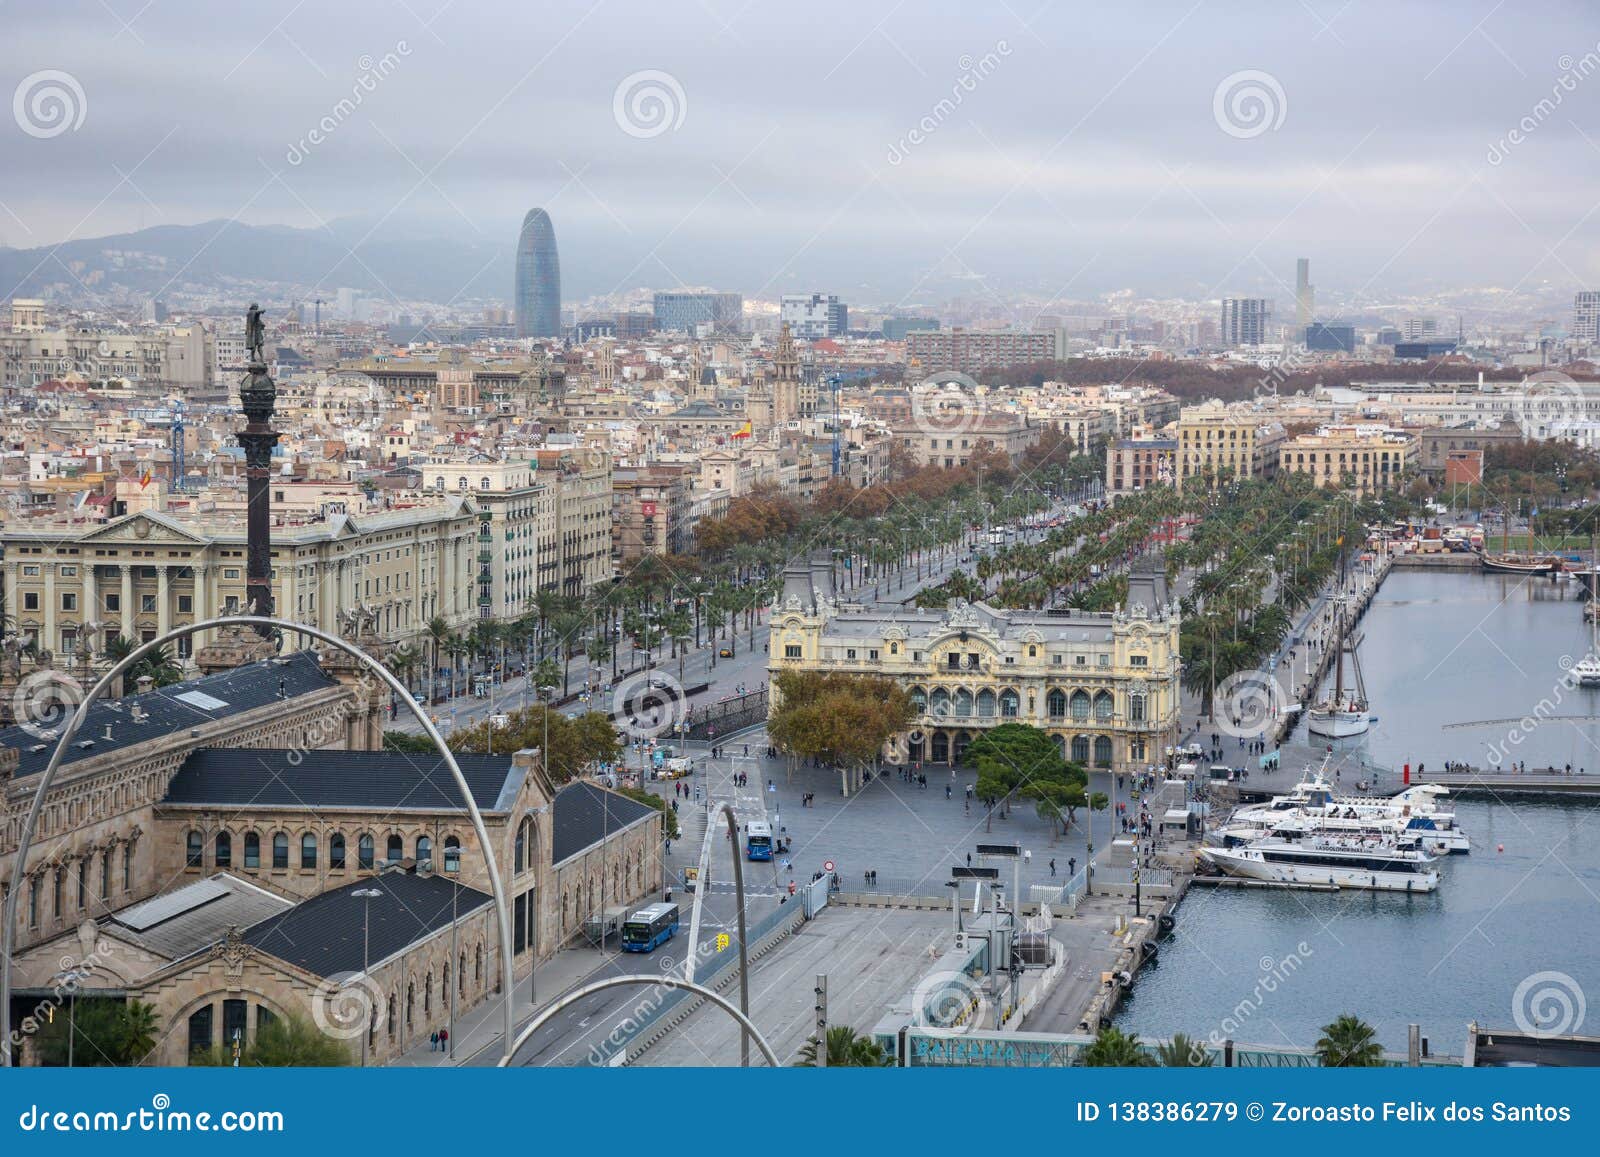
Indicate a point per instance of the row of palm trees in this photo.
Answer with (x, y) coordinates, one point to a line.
(1346, 1042)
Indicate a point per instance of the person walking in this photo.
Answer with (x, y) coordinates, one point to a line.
(1052, 866)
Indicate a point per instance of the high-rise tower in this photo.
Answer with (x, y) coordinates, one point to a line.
(1305, 296)
(538, 278)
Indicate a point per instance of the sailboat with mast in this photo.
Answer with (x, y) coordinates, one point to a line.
(1586, 671)
(1343, 713)
(1508, 563)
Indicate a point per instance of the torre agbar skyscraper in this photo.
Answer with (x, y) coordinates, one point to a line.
(538, 278)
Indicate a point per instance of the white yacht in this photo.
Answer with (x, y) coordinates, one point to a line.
(1586, 671)
(1313, 805)
(1440, 838)
(1375, 863)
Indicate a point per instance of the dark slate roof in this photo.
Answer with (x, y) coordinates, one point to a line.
(374, 780)
(585, 812)
(165, 713)
(323, 935)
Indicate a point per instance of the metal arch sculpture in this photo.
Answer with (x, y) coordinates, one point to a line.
(722, 807)
(720, 1001)
(25, 838)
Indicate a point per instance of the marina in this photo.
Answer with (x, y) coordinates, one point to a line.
(1450, 653)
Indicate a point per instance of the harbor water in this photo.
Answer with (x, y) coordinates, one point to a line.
(1454, 665)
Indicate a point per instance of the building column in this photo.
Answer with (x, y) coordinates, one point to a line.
(50, 641)
(8, 575)
(89, 612)
(129, 631)
(201, 573)
(163, 600)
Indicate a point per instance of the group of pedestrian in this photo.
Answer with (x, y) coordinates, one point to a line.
(439, 1041)
(871, 877)
(809, 799)
(741, 779)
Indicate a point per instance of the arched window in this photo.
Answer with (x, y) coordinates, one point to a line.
(461, 976)
(483, 483)
(521, 848)
(411, 1004)
(985, 703)
(1056, 703)
(280, 850)
(1103, 706)
(919, 699)
(427, 995)
(1136, 708)
(195, 852)
(396, 849)
(452, 856)
(308, 851)
(1102, 751)
(391, 1018)
(1080, 706)
(1080, 749)
(364, 852)
(105, 874)
(424, 849)
(224, 850)
(252, 849)
(336, 851)
(964, 703)
(1008, 704)
(939, 703)
(477, 965)
(444, 982)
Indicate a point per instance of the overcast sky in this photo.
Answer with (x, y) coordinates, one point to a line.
(1080, 148)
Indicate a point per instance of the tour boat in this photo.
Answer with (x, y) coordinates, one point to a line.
(1369, 862)
(1314, 805)
(1439, 836)
(1586, 671)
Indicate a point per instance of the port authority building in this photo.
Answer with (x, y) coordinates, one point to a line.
(1103, 684)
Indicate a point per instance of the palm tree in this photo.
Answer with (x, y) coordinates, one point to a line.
(846, 1050)
(1183, 1052)
(1349, 1043)
(437, 630)
(1115, 1049)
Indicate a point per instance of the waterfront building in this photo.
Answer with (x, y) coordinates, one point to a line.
(1217, 442)
(1364, 458)
(143, 573)
(1103, 684)
(538, 289)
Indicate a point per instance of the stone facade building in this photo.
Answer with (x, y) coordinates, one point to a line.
(1104, 685)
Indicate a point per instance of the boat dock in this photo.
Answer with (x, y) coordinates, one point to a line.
(1241, 882)
(1474, 782)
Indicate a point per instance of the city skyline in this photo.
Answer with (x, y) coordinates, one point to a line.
(1177, 157)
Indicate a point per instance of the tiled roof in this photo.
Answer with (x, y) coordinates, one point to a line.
(169, 709)
(377, 780)
(585, 812)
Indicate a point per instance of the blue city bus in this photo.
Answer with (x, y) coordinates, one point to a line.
(649, 928)
(758, 840)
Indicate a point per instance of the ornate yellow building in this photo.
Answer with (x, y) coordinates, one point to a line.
(1105, 685)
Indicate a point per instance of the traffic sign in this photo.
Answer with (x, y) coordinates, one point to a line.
(827, 865)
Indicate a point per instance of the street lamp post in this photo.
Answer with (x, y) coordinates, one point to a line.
(367, 895)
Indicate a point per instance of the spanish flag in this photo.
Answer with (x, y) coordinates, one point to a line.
(144, 479)
(743, 431)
